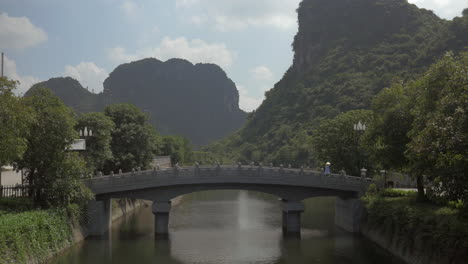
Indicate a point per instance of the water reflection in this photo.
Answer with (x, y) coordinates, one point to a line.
(231, 236)
(228, 227)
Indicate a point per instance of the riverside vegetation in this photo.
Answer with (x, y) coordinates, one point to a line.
(37, 131)
(401, 70)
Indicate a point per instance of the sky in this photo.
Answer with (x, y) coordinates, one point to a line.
(87, 39)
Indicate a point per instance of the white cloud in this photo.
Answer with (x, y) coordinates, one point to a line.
(88, 74)
(130, 10)
(229, 15)
(195, 50)
(247, 102)
(26, 81)
(444, 8)
(19, 33)
(261, 73)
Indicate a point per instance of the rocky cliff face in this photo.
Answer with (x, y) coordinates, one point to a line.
(196, 101)
(345, 52)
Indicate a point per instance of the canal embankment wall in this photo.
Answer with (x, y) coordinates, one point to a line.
(120, 208)
(418, 233)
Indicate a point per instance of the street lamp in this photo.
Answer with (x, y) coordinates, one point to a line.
(85, 132)
(80, 143)
(360, 128)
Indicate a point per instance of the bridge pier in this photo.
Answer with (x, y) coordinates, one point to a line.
(292, 216)
(348, 214)
(161, 217)
(99, 213)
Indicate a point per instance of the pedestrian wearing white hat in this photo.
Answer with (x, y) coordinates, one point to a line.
(327, 168)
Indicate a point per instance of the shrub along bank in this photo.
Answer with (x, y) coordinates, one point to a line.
(419, 232)
(31, 236)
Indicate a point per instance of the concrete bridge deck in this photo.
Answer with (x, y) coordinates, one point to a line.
(162, 185)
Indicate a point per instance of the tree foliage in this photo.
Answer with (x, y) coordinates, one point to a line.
(98, 146)
(386, 138)
(53, 173)
(15, 119)
(178, 148)
(439, 134)
(336, 141)
(133, 138)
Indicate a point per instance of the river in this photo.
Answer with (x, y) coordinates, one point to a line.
(221, 227)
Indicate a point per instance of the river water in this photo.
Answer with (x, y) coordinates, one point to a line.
(218, 227)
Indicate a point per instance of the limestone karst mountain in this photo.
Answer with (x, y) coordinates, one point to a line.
(195, 101)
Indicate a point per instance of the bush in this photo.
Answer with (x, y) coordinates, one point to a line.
(15, 204)
(438, 232)
(31, 236)
(395, 193)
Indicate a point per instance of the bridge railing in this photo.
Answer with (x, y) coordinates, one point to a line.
(174, 175)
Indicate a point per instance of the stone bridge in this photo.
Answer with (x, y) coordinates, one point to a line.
(290, 185)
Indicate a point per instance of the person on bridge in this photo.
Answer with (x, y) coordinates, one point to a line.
(327, 168)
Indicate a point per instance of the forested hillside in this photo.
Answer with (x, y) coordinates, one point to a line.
(345, 52)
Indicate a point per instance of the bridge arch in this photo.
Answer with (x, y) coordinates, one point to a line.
(160, 186)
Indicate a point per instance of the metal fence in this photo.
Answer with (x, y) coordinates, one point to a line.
(14, 191)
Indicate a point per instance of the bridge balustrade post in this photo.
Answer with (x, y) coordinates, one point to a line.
(175, 170)
(281, 170)
(363, 181)
(239, 169)
(218, 168)
(197, 169)
(292, 216)
(260, 169)
(111, 177)
(161, 211)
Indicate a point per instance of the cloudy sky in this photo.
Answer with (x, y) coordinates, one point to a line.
(87, 39)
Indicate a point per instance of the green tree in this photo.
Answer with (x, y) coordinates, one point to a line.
(15, 119)
(178, 148)
(387, 137)
(52, 171)
(134, 140)
(439, 135)
(98, 146)
(336, 141)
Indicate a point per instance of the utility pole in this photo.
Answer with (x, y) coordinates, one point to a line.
(2, 64)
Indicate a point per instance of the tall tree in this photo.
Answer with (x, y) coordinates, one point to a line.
(15, 119)
(336, 141)
(439, 133)
(52, 171)
(392, 120)
(178, 148)
(98, 146)
(133, 139)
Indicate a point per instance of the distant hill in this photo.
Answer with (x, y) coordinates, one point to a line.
(196, 101)
(345, 52)
(72, 94)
